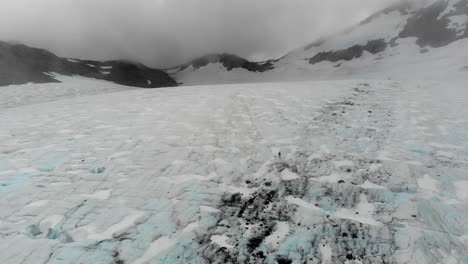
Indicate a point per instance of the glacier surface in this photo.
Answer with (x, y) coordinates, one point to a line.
(358, 171)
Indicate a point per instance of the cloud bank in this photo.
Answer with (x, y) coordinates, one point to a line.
(163, 33)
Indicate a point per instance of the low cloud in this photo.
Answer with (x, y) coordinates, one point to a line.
(163, 33)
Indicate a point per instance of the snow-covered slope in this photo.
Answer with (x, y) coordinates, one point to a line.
(219, 68)
(434, 24)
(32, 93)
(404, 41)
(311, 172)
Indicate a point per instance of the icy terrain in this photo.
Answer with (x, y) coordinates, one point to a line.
(361, 171)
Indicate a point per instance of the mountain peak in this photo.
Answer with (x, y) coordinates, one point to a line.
(229, 61)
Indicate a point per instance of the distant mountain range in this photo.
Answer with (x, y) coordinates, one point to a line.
(21, 64)
(422, 34)
(229, 61)
(400, 34)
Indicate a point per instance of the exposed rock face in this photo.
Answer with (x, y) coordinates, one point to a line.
(21, 64)
(230, 62)
(373, 46)
(428, 28)
(435, 25)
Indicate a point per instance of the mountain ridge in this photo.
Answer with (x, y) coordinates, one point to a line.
(398, 34)
(21, 64)
(406, 27)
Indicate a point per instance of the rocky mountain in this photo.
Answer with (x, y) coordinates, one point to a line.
(433, 24)
(207, 69)
(228, 61)
(429, 36)
(21, 64)
(431, 33)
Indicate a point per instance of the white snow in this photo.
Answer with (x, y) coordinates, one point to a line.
(462, 190)
(288, 175)
(326, 251)
(221, 240)
(374, 167)
(209, 209)
(39, 203)
(51, 221)
(100, 195)
(280, 233)
(302, 203)
(458, 23)
(158, 246)
(445, 146)
(427, 184)
(90, 232)
(191, 227)
(18, 95)
(343, 163)
(369, 185)
(450, 7)
(363, 212)
(185, 178)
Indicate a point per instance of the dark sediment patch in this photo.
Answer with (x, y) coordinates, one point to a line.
(259, 213)
(248, 220)
(283, 261)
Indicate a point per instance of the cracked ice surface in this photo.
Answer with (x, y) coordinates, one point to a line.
(315, 172)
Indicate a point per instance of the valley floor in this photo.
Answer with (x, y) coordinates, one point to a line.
(310, 172)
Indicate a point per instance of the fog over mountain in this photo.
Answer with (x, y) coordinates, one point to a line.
(163, 33)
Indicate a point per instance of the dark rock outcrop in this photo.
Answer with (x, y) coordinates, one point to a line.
(428, 28)
(21, 64)
(432, 26)
(229, 61)
(356, 51)
(429, 25)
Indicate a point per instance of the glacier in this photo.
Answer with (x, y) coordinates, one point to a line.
(344, 171)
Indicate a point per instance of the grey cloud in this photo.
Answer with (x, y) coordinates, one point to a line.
(163, 33)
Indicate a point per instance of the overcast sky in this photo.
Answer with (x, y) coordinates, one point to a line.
(163, 33)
